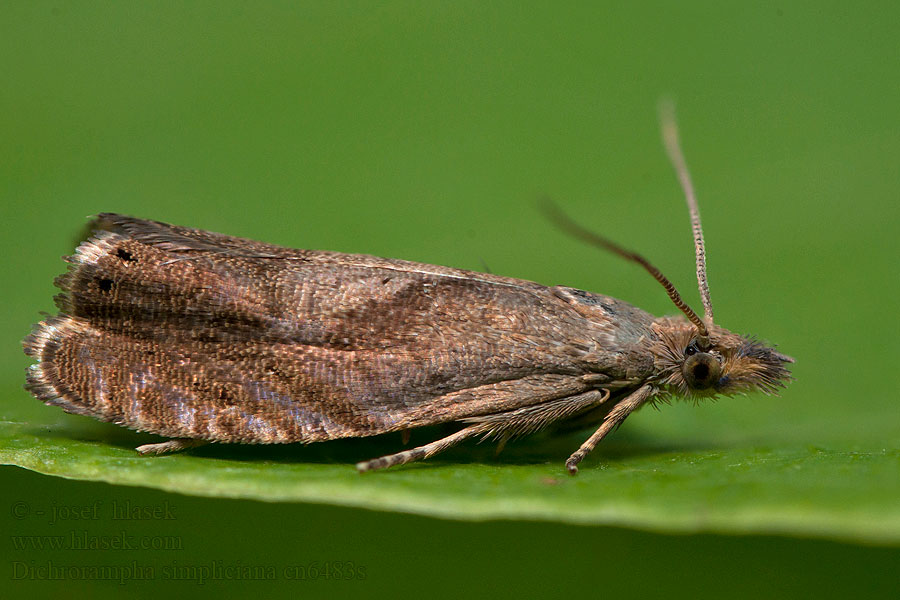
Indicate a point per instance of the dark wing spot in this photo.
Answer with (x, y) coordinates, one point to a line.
(608, 308)
(125, 255)
(574, 295)
(583, 296)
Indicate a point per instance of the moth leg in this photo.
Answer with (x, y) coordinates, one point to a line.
(421, 452)
(503, 425)
(501, 444)
(173, 445)
(615, 417)
(405, 435)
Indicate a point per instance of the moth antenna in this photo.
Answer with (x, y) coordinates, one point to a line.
(669, 127)
(564, 222)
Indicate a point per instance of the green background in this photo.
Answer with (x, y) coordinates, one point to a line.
(426, 131)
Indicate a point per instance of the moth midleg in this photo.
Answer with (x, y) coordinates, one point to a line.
(620, 411)
(503, 425)
(173, 445)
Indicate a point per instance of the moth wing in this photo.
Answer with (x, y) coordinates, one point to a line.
(195, 334)
(250, 392)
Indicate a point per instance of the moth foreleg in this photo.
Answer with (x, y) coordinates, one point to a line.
(173, 445)
(503, 425)
(615, 417)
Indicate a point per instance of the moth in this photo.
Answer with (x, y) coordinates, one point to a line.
(203, 337)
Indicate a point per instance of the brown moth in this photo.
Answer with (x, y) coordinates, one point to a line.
(199, 337)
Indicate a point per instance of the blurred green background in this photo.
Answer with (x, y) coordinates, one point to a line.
(426, 131)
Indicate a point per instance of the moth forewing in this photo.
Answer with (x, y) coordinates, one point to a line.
(202, 337)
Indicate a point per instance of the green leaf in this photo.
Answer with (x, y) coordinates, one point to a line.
(834, 491)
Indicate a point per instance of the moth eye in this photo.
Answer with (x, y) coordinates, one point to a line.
(701, 370)
(691, 350)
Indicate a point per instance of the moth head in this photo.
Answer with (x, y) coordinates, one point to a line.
(727, 364)
(694, 357)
